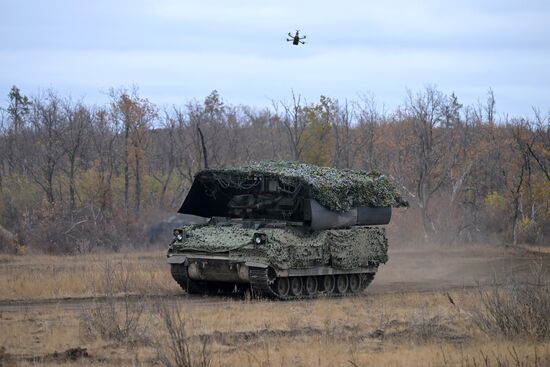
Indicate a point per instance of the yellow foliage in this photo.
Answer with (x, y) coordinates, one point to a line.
(317, 139)
(495, 200)
(541, 196)
(18, 192)
(319, 144)
(525, 222)
(88, 185)
(21, 250)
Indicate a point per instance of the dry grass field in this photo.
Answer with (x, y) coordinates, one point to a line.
(34, 277)
(124, 310)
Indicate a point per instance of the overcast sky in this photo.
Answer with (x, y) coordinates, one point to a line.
(176, 50)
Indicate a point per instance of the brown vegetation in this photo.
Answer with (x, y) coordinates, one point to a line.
(517, 305)
(410, 329)
(76, 178)
(116, 318)
(179, 349)
(57, 277)
(392, 324)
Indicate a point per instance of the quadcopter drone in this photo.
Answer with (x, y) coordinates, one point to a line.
(296, 39)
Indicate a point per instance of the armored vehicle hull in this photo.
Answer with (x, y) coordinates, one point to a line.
(276, 260)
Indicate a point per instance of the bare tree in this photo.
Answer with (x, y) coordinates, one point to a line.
(164, 154)
(47, 124)
(74, 142)
(515, 186)
(103, 139)
(539, 146)
(294, 123)
(432, 116)
(18, 111)
(367, 125)
(135, 115)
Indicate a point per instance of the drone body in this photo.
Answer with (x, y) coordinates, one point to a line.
(296, 39)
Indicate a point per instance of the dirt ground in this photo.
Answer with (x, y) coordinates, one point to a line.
(418, 311)
(452, 268)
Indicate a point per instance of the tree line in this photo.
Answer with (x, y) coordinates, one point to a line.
(76, 177)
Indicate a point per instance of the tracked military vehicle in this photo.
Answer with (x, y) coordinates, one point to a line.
(286, 230)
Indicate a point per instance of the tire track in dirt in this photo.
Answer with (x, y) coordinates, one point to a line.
(408, 271)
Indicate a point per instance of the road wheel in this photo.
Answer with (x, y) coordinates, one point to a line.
(342, 283)
(328, 284)
(296, 286)
(354, 283)
(283, 287)
(311, 286)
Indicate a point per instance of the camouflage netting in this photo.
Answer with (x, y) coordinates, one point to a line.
(338, 190)
(294, 247)
(353, 248)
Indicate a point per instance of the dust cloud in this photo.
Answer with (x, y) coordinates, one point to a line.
(439, 268)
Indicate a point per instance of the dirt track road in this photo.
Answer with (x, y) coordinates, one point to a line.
(442, 269)
(409, 270)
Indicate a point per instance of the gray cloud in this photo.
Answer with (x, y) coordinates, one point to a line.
(175, 50)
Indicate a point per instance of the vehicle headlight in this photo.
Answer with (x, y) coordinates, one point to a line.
(178, 233)
(259, 238)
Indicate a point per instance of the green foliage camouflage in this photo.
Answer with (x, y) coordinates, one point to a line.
(291, 247)
(338, 190)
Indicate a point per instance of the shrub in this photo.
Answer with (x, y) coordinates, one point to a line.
(514, 307)
(117, 315)
(180, 350)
